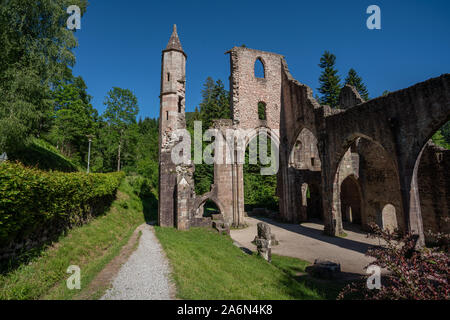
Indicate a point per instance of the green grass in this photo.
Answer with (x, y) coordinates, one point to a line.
(90, 247)
(41, 154)
(208, 266)
(295, 268)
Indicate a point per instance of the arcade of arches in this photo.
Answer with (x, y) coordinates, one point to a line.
(365, 162)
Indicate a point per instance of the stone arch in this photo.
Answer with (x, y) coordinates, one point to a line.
(200, 201)
(351, 200)
(389, 218)
(273, 136)
(304, 149)
(414, 219)
(377, 175)
(259, 63)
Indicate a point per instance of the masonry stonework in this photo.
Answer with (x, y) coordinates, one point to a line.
(365, 162)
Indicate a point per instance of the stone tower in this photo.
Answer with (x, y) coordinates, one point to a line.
(172, 117)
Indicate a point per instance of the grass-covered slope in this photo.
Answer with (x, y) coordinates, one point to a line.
(90, 246)
(208, 266)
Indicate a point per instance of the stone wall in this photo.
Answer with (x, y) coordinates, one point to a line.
(377, 143)
(247, 90)
(434, 188)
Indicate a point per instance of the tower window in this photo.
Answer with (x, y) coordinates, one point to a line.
(180, 99)
(167, 115)
(259, 69)
(312, 162)
(168, 76)
(262, 111)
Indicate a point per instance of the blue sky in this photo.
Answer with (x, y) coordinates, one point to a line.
(120, 42)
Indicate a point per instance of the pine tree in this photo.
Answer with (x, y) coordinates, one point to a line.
(329, 80)
(354, 80)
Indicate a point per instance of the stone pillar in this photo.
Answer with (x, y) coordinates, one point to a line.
(184, 191)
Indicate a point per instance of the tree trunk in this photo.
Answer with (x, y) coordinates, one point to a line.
(118, 155)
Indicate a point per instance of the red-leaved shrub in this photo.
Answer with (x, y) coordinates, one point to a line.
(412, 273)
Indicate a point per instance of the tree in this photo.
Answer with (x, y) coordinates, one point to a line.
(73, 119)
(329, 80)
(36, 52)
(121, 110)
(215, 103)
(354, 80)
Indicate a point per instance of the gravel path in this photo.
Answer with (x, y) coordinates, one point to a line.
(145, 276)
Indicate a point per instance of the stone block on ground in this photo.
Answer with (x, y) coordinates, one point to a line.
(324, 269)
(217, 216)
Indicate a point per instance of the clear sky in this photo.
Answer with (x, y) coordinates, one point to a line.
(120, 42)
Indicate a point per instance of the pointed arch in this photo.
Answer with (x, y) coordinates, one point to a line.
(260, 68)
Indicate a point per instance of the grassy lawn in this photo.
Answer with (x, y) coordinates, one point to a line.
(90, 246)
(208, 266)
(205, 264)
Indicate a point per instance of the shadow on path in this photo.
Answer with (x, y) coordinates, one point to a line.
(349, 244)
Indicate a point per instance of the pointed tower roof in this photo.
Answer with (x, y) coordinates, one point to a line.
(174, 41)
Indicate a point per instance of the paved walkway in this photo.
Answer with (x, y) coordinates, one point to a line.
(145, 276)
(307, 242)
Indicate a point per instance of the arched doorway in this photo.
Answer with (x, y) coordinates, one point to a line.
(314, 203)
(366, 176)
(259, 188)
(304, 178)
(351, 200)
(210, 208)
(433, 180)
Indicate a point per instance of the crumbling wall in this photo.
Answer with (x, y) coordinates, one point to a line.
(247, 90)
(434, 188)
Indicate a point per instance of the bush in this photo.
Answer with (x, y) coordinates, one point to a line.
(39, 153)
(34, 202)
(413, 273)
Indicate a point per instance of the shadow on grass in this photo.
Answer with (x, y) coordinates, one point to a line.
(328, 289)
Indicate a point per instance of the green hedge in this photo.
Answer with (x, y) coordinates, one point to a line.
(37, 202)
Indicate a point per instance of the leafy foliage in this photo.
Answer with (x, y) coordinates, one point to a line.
(413, 274)
(259, 190)
(36, 53)
(442, 136)
(215, 105)
(42, 155)
(354, 80)
(120, 115)
(329, 80)
(32, 200)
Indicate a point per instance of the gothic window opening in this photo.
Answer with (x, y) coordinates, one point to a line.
(262, 111)
(259, 69)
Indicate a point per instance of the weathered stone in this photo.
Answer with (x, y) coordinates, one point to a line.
(263, 230)
(324, 269)
(360, 164)
(217, 216)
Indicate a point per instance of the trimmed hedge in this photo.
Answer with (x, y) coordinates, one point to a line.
(36, 204)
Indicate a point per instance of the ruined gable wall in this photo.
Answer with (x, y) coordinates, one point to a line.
(247, 90)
